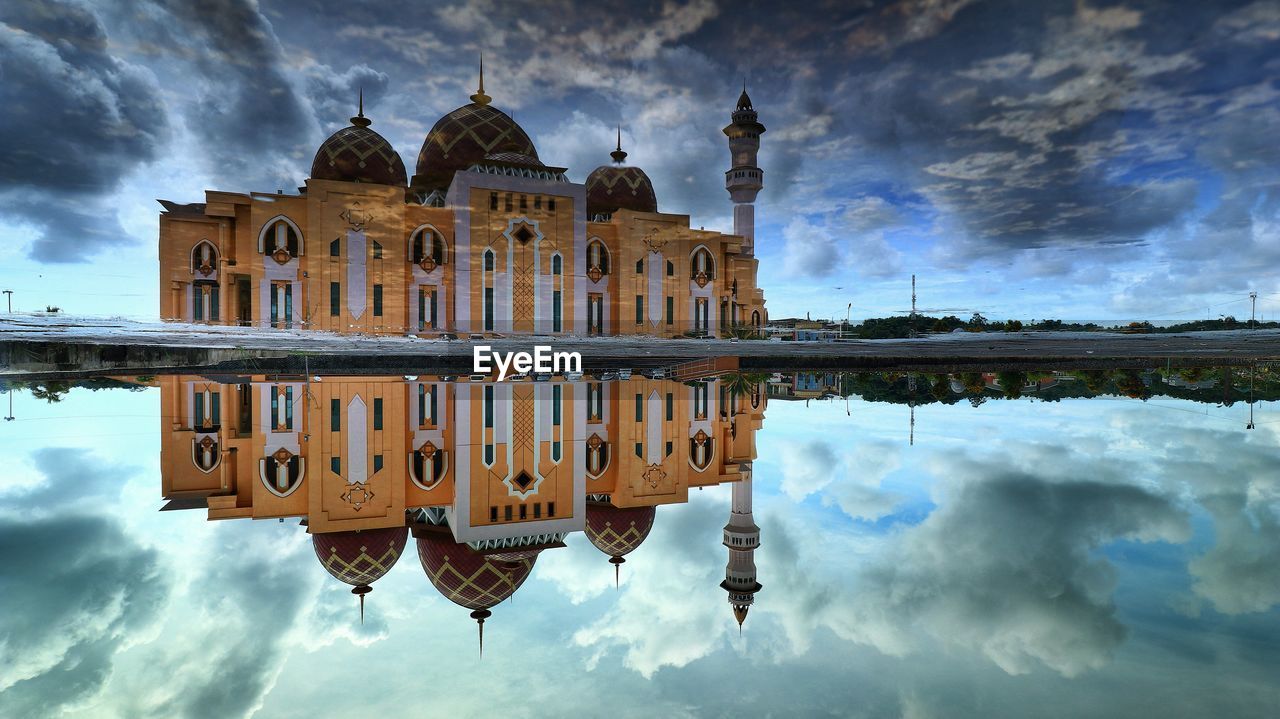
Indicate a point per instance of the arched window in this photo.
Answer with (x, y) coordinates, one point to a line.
(597, 456)
(701, 450)
(204, 259)
(282, 472)
(281, 239)
(597, 260)
(556, 264)
(755, 318)
(427, 466)
(426, 248)
(205, 453)
(702, 268)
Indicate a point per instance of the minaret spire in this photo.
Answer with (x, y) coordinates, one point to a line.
(479, 97)
(741, 537)
(745, 179)
(616, 561)
(360, 120)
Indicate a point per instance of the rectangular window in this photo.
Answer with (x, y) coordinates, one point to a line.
(537, 510)
(422, 308)
(640, 266)
(335, 248)
(507, 202)
(377, 413)
(377, 300)
(537, 202)
(377, 459)
(197, 303)
(199, 408)
(215, 409)
(639, 309)
(555, 405)
(551, 509)
(422, 405)
(488, 309)
(213, 303)
(671, 269)
(668, 449)
(639, 408)
(555, 311)
(524, 205)
(335, 415)
(506, 512)
(335, 464)
(433, 307)
(488, 407)
(432, 404)
(671, 310)
(640, 450)
(524, 508)
(671, 405)
(493, 205)
(493, 511)
(335, 299)
(377, 251)
(288, 407)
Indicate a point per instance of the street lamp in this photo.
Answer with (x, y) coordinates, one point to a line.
(10, 298)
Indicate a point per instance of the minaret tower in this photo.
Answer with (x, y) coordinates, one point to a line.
(741, 536)
(745, 179)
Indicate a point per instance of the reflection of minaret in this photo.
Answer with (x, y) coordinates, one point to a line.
(741, 536)
(745, 179)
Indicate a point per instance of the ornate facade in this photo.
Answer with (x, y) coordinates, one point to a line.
(483, 238)
(484, 476)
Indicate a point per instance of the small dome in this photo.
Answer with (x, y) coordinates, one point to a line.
(464, 138)
(617, 531)
(360, 557)
(358, 154)
(468, 578)
(613, 187)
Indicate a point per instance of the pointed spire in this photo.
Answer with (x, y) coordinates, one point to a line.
(480, 615)
(479, 97)
(744, 101)
(618, 155)
(360, 591)
(616, 561)
(360, 120)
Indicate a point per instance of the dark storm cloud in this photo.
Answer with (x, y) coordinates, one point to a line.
(76, 120)
(76, 586)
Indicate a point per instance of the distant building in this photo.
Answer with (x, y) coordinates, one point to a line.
(484, 237)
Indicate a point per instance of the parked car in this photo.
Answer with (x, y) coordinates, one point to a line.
(624, 374)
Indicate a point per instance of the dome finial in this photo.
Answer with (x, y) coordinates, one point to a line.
(480, 615)
(618, 155)
(480, 98)
(616, 561)
(360, 120)
(360, 591)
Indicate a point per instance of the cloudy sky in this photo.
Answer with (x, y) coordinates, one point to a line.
(1071, 159)
(999, 563)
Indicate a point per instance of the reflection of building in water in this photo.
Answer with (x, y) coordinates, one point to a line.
(484, 237)
(741, 536)
(484, 475)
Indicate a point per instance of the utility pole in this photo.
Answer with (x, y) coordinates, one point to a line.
(913, 295)
(10, 393)
(10, 298)
(1253, 301)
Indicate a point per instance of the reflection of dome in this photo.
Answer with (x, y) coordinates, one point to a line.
(617, 187)
(358, 154)
(617, 531)
(360, 558)
(468, 578)
(466, 137)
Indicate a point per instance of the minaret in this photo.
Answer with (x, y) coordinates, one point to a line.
(741, 536)
(744, 180)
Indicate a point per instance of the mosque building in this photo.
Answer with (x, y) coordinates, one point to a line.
(483, 476)
(484, 237)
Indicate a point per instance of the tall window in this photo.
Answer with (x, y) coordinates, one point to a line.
(377, 251)
(335, 414)
(598, 257)
(335, 299)
(639, 407)
(335, 248)
(595, 401)
(377, 413)
(640, 266)
(488, 289)
(671, 310)
(557, 266)
(702, 264)
(639, 309)
(377, 300)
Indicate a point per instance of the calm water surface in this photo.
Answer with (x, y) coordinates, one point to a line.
(936, 552)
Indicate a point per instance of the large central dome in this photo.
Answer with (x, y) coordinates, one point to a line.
(465, 137)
